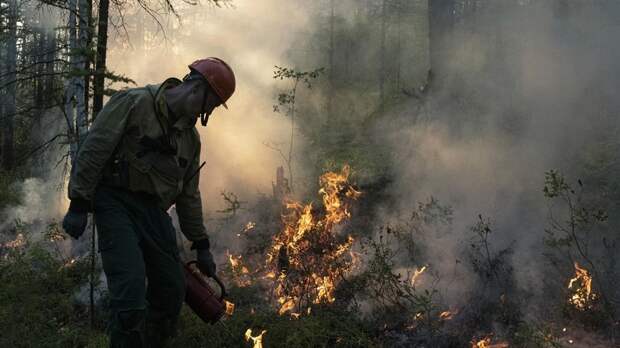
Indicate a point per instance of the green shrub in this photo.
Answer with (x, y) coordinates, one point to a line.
(37, 307)
(326, 326)
(8, 195)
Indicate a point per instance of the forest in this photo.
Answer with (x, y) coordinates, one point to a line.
(388, 173)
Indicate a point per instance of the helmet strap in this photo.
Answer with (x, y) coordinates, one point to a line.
(204, 118)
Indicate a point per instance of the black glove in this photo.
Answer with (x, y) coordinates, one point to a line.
(74, 223)
(204, 257)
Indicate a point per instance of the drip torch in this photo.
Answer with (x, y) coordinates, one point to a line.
(201, 297)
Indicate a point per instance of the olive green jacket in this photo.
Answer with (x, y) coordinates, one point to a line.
(134, 144)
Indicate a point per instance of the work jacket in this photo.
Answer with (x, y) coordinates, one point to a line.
(134, 144)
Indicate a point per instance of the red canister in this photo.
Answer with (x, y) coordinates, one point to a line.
(201, 298)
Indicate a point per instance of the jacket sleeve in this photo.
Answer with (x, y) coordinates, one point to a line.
(189, 204)
(99, 145)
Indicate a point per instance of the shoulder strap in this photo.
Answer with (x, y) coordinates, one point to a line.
(161, 125)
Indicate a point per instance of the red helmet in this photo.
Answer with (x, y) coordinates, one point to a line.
(219, 75)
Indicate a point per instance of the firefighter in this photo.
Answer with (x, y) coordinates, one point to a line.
(140, 157)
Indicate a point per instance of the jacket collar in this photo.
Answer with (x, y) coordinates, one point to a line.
(161, 107)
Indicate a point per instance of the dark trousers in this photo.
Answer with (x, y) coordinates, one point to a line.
(141, 262)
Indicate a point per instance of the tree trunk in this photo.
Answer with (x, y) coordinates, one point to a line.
(81, 63)
(41, 97)
(39, 82)
(50, 49)
(330, 92)
(440, 20)
(98, 84)
(87, 63)
(8, 145)
(382, 69)
(70, 85)
(561, 8)
(399, 19)
(100, 64)
(3, 80)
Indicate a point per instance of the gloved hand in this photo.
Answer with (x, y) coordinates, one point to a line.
(74, 223)
(205, 262)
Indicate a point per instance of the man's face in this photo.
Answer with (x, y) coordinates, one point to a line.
(194, 100)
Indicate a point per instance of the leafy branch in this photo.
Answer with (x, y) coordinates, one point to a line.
(287, 103)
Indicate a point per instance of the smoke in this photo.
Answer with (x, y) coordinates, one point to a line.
(41, 198)
(524, 89)
(252, 37)
(508, 106)
(34, 204)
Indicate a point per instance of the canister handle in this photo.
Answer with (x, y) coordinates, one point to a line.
(215, 277)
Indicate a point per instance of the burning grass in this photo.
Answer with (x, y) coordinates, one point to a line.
(307, 278)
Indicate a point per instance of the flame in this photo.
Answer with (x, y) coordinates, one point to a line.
(308, 258)
(447, 315)
(487, 343)
(483, 343)
(582, 296)
(230, 308)
(416, 274)
(237, 265)
(287, 305)
(356, 260)
(332, 184)
(249, 226)
(257, 340)
(240, 272)
(325, 289)
(18, 242)
(69, 263)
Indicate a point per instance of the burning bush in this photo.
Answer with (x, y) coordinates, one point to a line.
(308, 258)
(582, 296)
(578, 235)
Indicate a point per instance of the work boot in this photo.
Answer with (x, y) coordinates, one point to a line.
(159, 330)
(127, 330)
